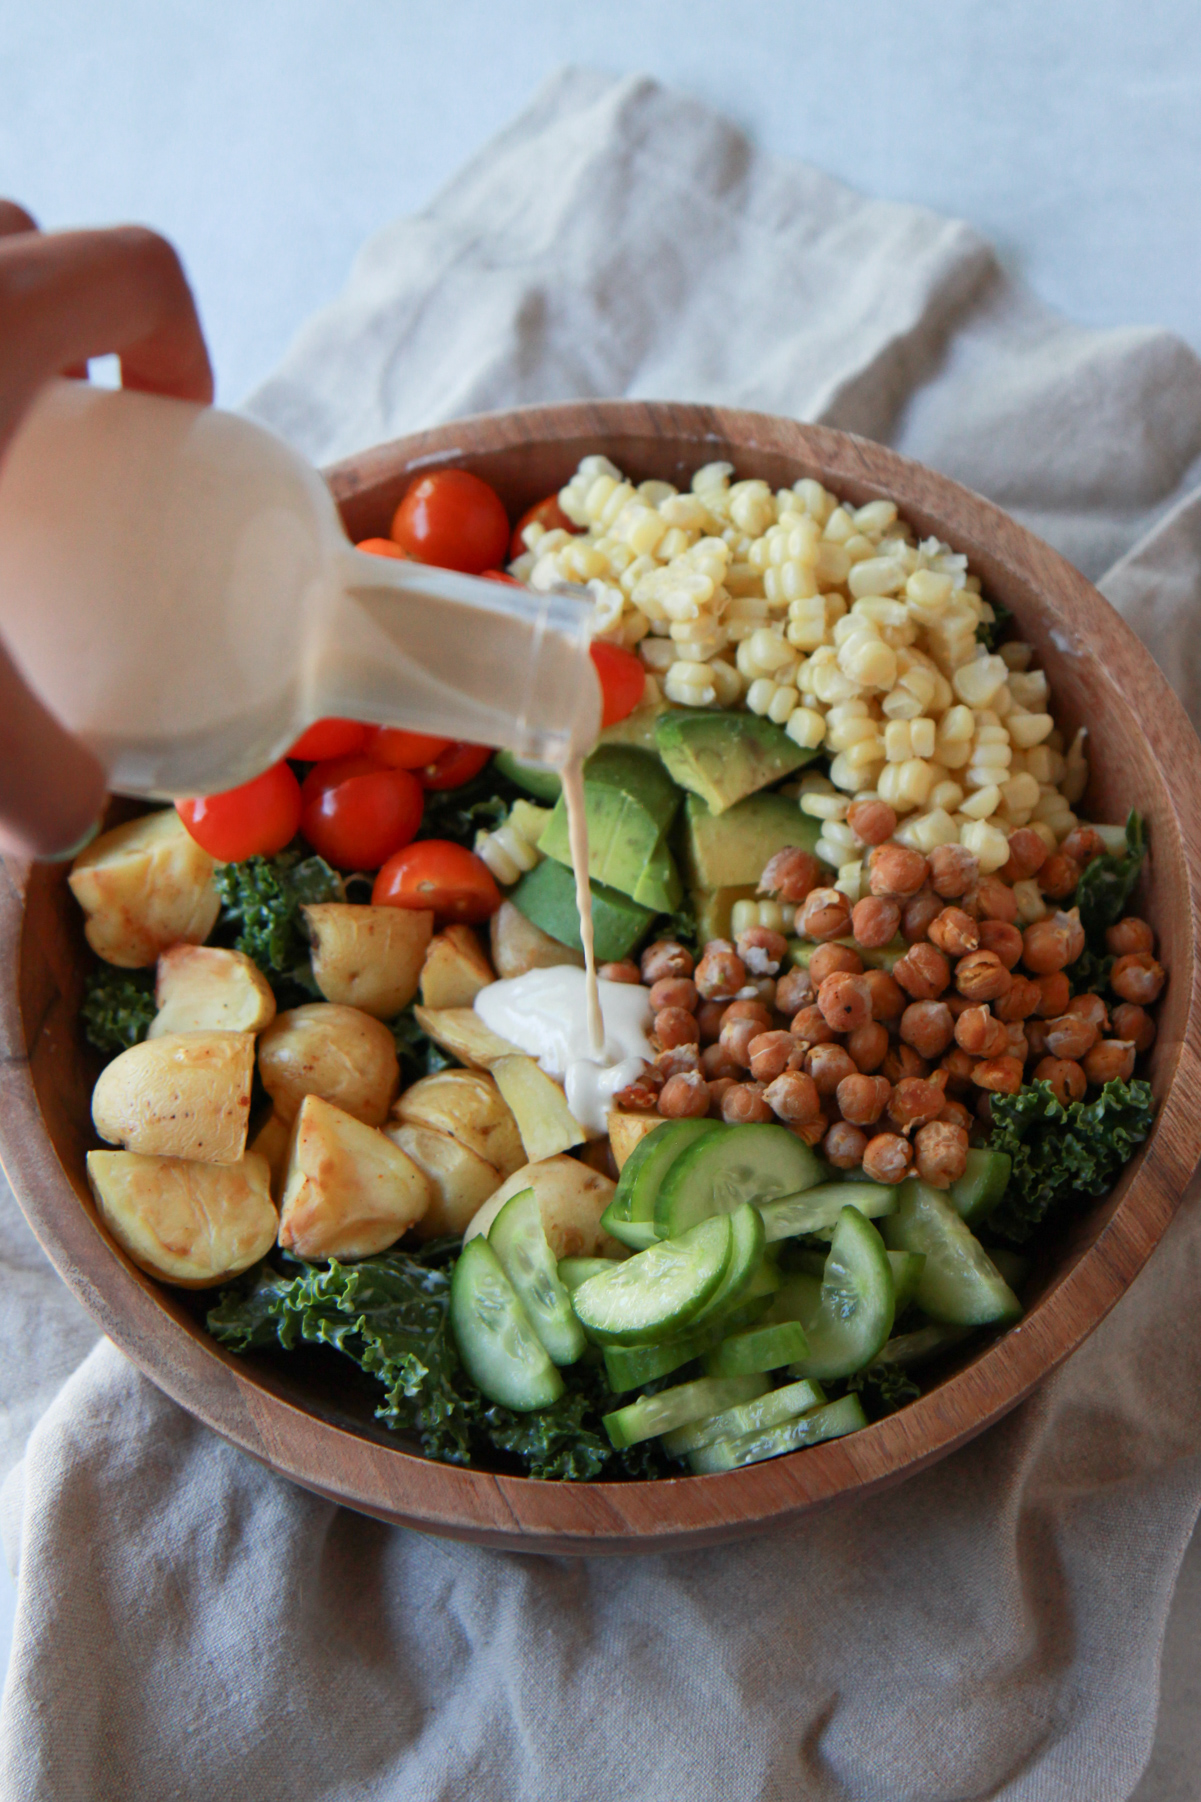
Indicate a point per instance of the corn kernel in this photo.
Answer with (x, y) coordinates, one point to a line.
(1031, 905)
(806, 726)
(1020, 793)
(784, 703)
(1016, 655)
(933, 828)
(947, 796)
(983, 804)
(876, 575)
(977, 682)
(690, 685)
(850, 880)
(829, 806)
(990, 846)
(831, 566)
(728, 683)
(957, 726)
(1029, 729)
(928, 593)
(865, 658)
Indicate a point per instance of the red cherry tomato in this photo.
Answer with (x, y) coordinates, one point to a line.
(454, 520)
(622, 680)
(455, 766)
(382, 547)
(330, 738)
(356, 814)
(436, 873)
(548, 514)
(256, 820)
(401, 750)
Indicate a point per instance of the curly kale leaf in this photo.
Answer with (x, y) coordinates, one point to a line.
(262, 900)
(681, 926)
(418, 1054)
(476, 806)
(118, 1007)
(1090, 973)
(1061, 1154)
(882, 1388)
(990, 632)
(1107, 883)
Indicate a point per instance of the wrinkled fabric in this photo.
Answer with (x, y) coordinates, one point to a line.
(190, 1624)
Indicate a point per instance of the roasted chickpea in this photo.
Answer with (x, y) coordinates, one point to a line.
(1019, 1045)
(1027, 855)
(665, 958)
(1053, 943)
(709, 1018)
(1058, 877)
(844, 1145)
(1110, 1061)
(720, 973)
(1070, 1036)
(928, 1027)
(793, 1098)
(1003, 939)
(1137, 977)
(675, 1026)
(748, 1009)
(678, 1058)
(868, 1046)
(1133, 1023)
(992, 899)
(923, 972)
(1022, 999)
(1082, 844)
(872, 822)
(955, 1114)
(955, 932)
(761, 950)
(875, 921)
(919, 914)
(674, 991)
(736, 1036)
(717, 1089)
(810, 1026)
(888, 997)
(1128, 936)
(903, 1061)
(897, 872)
(642, 1095)
(915, 1100)
(979, 1034)
(790, 875)
(622, 972)
(845, 1002)
(1067, 1080)
(957, 1067)
(862, 1099)
(794, 990)
(684, 1097)
(744, 1104)
(1000, 1075)
(1036, 1037)
(981, 976)
(717, 1062)
(1092, 1007)
(886, 1158)
(774, 1052)
(827, 1065)
(1055, 992)
(824, 914)
(834, 960)
(940, 1153)
(954, 871)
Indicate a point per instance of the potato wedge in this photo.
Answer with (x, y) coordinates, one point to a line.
(144, 887)
(539, 1108)
(467, 1106)
(455, 969)
(272, 1141)
(186, 1095)
(348, 1191)
(188, 1223)
(460, 1031)
(368, 957)
(625, 1130)
(461, 1181)
(339, 1053)
(571, 1200)
(518, 945)
(201, 989)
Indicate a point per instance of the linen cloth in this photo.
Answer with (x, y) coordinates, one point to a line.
(191, 1625)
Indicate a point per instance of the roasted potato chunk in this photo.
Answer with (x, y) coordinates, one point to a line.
(272, 1141)
(186, 1095)
(144, 887)
(455, 969)
(571, 1200)
(188, 1223)
(460, 1180)
(339, 1053)
(518, 945)
(625, 1131)
(348, 1191)
(368, 957)
(539, 1108)
(201, 989)
(460, 1031)
(467, 1105)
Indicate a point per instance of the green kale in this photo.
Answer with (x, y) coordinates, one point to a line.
(118, 1007)
(990, 632)
(261, 915)
(1089, 975)
(882, 1389)
(1062, 1154)
(476, 806)
(418, 1054)
(681, 927)
(1107, 883)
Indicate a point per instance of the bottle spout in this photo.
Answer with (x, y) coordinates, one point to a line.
(491, 663)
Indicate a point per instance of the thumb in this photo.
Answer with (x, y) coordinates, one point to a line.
(51, 786)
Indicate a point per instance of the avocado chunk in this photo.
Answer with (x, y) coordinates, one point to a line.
(732, 848)
(723, 756)
(546, 896)
(713, 906)
(630, 802)
(537, 779)
(638, 774)
(638, 728)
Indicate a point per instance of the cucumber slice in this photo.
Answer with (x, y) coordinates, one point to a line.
(817, 1210)
(537, 779)
(501, 1353)
(635, 1235)
(855, 1303)
(517, 1238)
(770, 1410)
(652, 1415)
(763, 1348)
(907, 1267)
(632, 1366)
(728, 1167)
(960, 1286)
(976, 1193)
(918, 1347)
(574, 1271)
(633, 1203)
(830, 1422)
(658, 1291)
(746, 1254)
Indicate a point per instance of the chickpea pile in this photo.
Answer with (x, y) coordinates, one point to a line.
(890, 1070)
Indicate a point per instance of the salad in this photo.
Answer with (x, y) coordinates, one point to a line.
(873, 995)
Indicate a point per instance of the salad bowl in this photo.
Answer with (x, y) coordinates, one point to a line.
(320, 1433)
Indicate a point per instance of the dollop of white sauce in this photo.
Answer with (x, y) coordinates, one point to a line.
(545, 1014)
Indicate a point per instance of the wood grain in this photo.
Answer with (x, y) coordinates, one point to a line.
(1145, 754)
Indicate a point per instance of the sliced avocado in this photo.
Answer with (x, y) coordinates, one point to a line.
(629, 802)
(546, 896)
(712, 908)
(638, 774)
(659, 884)
(730, 849)
(723, 756)
(537, 779)
(638, 729)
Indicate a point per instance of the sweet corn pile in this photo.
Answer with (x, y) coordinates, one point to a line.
(840, 626)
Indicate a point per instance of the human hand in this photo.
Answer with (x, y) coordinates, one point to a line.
(65, 297)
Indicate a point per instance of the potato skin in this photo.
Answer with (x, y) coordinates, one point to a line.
(185, 1095)
(187, 1223)
(348, 1190)
(368, 957)
(571, 1200)
(339, 1053)
(199, 988)
(460, 1180)
(144, 887)
(518, 945)
(455, 969)
(468, 1106)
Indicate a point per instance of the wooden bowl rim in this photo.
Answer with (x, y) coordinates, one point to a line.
(517, 1513)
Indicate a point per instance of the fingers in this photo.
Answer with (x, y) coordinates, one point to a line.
(14, 218)
(51, 786)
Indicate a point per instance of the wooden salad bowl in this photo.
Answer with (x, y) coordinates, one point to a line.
(297, 1417)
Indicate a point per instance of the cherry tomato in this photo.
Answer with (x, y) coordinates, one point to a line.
(401, 750)
(356, 814)
(455, 766)
(255, 820)
(454, 520)
(548, 514)
(436, 873)
(622, 680)
(330, 738)
(382, 547)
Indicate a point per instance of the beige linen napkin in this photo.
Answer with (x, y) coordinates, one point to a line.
(189, 1624)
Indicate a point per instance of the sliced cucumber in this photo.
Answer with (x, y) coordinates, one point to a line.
(656, 1293)
(631, 1366)
(831, 1422)
(817, 1210)
(537, 779)
(517, 1238)
(960, 1286)
(746, 1255)
(652, 1415)
(855, 1302)
(918, 1347)
(726, 1168)
(770, 1410)
(763, 1348)
(907, 1267)
(574, 1271)
(635, 1235)
(500, 1350)
(976, 1193)
(631, 1213)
